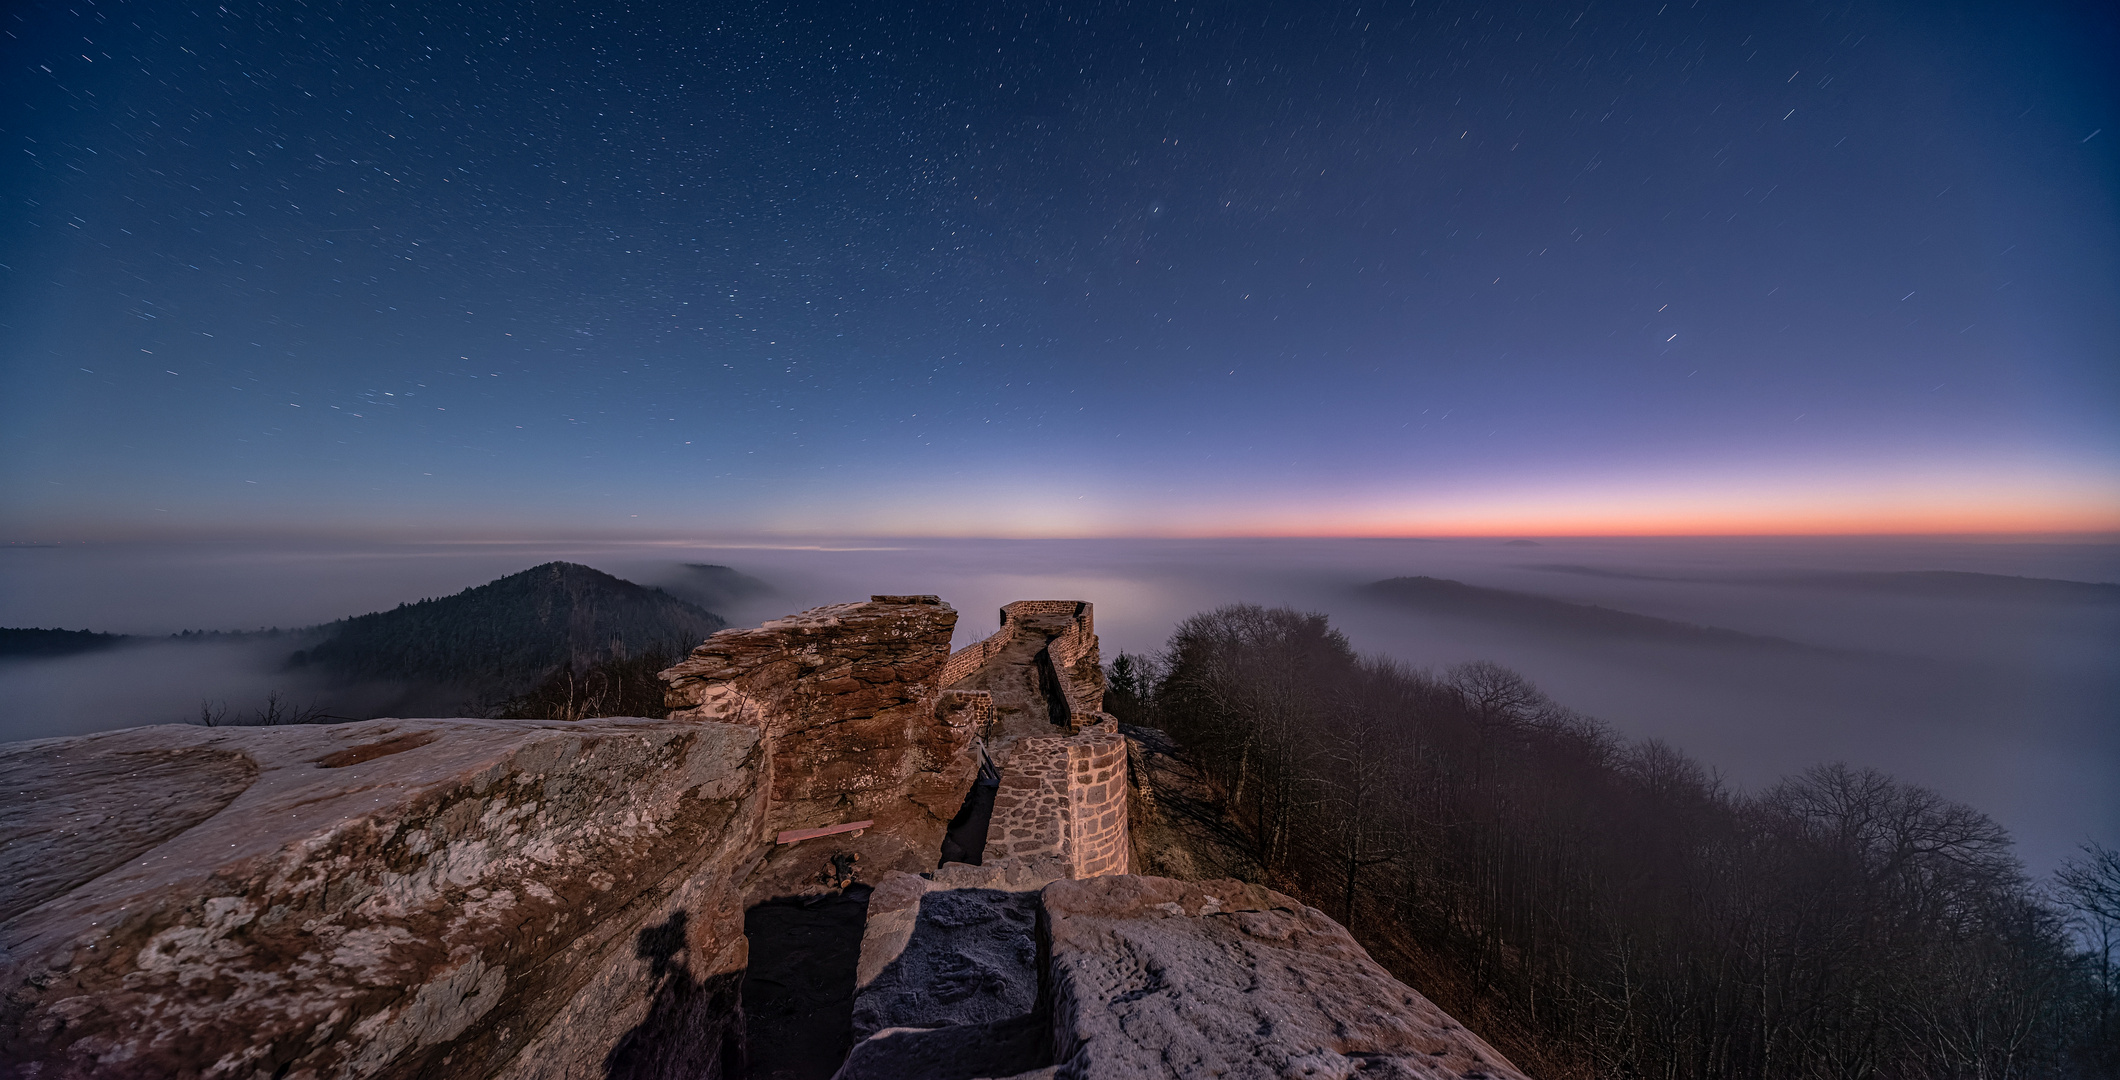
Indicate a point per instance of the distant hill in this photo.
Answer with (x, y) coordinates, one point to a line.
(25, 641)
(510, 634)
(712, 586)
(1965, 585)
(1957, 584)
(1442, 596)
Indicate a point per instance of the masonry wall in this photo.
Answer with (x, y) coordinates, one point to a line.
(969, 710)
(1098, 841)
(1074, 654)
(1064, 797)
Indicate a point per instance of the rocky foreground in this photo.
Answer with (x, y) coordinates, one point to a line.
(389, 898)
(1127, 976)
(528, 899)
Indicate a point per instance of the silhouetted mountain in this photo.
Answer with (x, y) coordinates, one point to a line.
(25, 641)
(716, 587)
(510, 634)
(1441, 596)
(1958, 584)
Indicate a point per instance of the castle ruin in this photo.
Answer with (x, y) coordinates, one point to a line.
(533, 899)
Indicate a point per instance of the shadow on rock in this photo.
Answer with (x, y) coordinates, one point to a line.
(694, 1027)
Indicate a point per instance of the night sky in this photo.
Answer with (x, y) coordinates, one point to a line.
(1140, 268)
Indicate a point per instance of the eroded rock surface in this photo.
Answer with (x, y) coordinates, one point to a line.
(971, 957)
(97, 805)
(479, 898)
(1154, 977)
(847, 699)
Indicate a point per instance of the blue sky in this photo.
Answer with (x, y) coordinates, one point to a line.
(1049, 271)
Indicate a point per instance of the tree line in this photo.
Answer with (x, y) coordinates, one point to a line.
(1606, 908)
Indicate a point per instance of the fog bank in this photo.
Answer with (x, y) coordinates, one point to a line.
(1999, 694)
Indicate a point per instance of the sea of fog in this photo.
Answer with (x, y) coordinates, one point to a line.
(2006, 699)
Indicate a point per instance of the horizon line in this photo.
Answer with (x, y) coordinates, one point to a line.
(837, 541)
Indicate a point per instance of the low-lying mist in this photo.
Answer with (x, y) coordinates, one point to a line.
(223, 682)
(1758, 657)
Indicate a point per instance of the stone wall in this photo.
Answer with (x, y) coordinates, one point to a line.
(1062, 797)
(392, 898)
(969, 710)
(1073, 651)
(1032, 806)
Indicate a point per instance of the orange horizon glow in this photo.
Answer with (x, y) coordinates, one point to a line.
(1997, 506)
(1728, 524)
(2002, 503)
(2090, 532)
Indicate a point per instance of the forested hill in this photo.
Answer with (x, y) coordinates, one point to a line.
(508, 634)
(26, 641)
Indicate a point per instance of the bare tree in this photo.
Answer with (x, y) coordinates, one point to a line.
(1610, 908)
(2088, 887)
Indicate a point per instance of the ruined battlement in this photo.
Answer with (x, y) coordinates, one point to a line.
(866, 717)
(1050, 643)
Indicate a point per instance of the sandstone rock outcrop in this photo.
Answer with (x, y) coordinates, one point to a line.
(846, 699)
(393, 898)
(973, 960)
